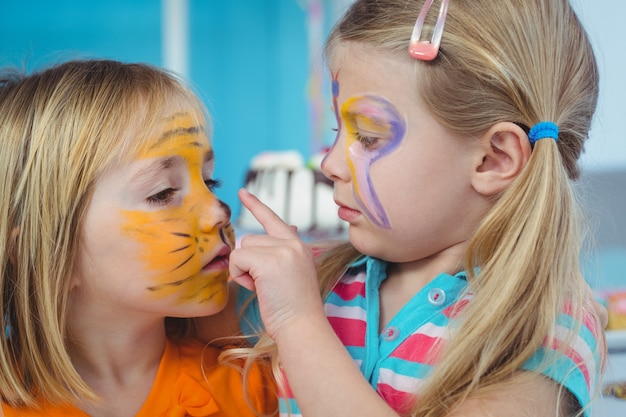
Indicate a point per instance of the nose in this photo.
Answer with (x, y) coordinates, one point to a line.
(334, 165)
(215, 215)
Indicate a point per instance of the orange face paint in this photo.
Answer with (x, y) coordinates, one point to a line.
(177, 239)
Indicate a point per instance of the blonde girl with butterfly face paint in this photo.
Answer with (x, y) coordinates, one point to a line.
(113, 239)
(459, 293)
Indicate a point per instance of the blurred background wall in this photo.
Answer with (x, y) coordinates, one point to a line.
(258, 66)
(256, 63)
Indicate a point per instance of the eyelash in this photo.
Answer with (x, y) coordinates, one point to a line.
(367, 141)
(213, 184)
(165, 196)
(162, 197)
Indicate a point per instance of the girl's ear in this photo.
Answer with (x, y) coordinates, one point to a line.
(504, 152)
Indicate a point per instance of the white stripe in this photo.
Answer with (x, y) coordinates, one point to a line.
(346, 312)
(581, 347)
(290, 415)
(432, 330)
(349, 279)
(399, 382)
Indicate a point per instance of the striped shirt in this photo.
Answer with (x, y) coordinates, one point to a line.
(397, 360)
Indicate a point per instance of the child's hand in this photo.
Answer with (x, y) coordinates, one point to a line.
(279, 267)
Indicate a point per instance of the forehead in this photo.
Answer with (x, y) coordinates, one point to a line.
(182, 130)
(362, 69)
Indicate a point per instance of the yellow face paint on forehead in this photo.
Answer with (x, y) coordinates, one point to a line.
(179, 129)
(174, 245)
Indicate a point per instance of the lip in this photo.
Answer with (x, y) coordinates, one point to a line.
(219, 261)
(347, 213)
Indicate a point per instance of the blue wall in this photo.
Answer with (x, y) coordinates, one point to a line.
(38, 32)
(248, 61)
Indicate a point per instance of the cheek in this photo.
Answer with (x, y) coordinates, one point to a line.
(359, 163)
(384, 178)
(165, 237)
(172, 246)
(394, 181)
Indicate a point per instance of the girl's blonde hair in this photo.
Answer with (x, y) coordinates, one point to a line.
(521, 61)
(59, 130)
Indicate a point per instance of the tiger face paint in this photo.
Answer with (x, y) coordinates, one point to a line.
(187, 252)
(155, 237)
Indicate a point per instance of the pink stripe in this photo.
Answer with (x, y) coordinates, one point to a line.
(284, 390)
(574, 356)
(453, 310)
(350, 291)
(318, 250)
(419, 348)
(590, 322)
(351, 332)
(400, 401)
(589, 317)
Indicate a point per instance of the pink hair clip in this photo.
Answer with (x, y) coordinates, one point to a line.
(428, 50)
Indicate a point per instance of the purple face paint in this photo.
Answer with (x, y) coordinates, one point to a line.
(335, 91)
(374, 128)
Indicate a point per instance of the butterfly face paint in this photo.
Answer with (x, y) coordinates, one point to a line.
(184, 234)
(373, 129)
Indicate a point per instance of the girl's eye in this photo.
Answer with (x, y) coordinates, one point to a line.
(162, 197)
(368, 142)
(213, 184)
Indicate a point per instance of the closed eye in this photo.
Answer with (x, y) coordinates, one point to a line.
(162, 197)
(213, 184)
(367, 141)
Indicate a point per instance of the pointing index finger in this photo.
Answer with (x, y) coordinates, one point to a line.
(271, 222)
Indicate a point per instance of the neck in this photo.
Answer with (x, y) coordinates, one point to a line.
(114, 349)
(405, 279)
(418, 273)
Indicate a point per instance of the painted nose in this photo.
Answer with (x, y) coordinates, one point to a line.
(215, 215)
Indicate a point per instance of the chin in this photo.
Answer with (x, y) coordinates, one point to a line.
(203, 301)
(364, 242)
(216, 307)
(200, 310)
(213, 297)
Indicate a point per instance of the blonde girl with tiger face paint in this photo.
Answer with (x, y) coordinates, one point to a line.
(113, 241)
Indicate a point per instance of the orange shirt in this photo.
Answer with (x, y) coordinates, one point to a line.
(180, 388)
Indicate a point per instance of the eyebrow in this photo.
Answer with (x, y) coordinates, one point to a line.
(375, 119)
(209, 156)
(159, 165)
(179, 131)
(360, 111)
(162, 164)
(372, 107)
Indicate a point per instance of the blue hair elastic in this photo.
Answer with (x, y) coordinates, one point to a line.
(543, 130)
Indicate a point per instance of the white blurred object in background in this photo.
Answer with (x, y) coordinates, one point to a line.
(297, 192)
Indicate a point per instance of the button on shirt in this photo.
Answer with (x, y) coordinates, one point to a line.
(397, 360)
